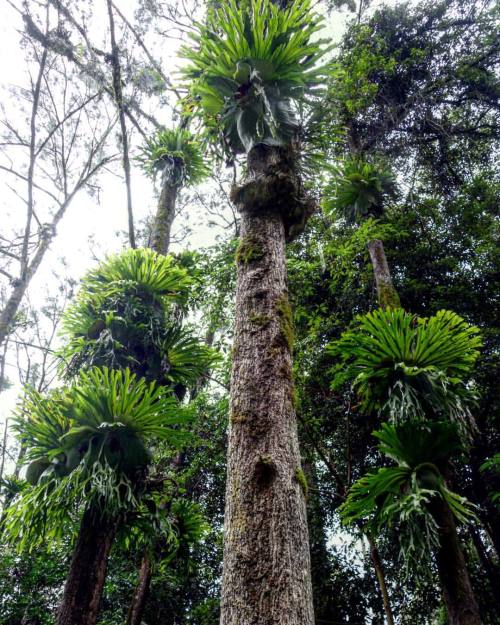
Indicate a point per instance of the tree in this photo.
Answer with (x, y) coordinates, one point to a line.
(88, 458)
(414, 370)
(176, 155)
(246, 81)
(52, 165)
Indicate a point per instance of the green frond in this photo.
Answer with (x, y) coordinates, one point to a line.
(177, 154)
(249, 68)
(359, 190)
(123, 317)
(401, 496)
(408, 367)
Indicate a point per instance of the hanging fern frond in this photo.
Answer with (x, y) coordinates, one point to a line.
(408, 367)
(401, 497)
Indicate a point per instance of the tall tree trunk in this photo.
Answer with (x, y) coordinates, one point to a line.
(87, 573)
(141, 592)
(455, 583)
(165, 213)
(266, 571)
(379, 571)
(386, 293)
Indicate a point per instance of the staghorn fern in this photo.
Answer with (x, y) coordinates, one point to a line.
(250, 68)
(177, 155)
(408, 367)
(401, 497)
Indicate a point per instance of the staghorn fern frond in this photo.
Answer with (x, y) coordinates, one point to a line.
(359, 190)
(175, 153)
(141, 270)
(409, 367)
(401, 496)
(251, 66)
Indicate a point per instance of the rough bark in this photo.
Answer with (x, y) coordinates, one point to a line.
(386, 293)
(266, 571)
(455, 583)
(379, 571)
(87, 573)
(164, 218)
(136, 610)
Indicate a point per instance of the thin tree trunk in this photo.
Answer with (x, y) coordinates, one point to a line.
(164, 218)
(379, 571)
(492, 571)
(386, 293)
(455, 583)
(266, 572)
(87, 573)
(141, 592)
(118, 94)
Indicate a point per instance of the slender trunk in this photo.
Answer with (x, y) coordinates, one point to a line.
(141, 592)
(87, 573)
(266, 572)
(379, 571)
(492, 571)
(455, 583)
(118, 94)
(386, 293)
(165, 213)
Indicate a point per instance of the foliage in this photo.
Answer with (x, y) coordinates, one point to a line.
(403, 495)
(410, 367)
(359, 190)
(97, 456)
(177, 155)
(251, 66)
(127, 315)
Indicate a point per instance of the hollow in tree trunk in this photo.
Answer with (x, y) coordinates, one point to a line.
(459, 599)
(87, 573)
(386, 293)
(266, 573)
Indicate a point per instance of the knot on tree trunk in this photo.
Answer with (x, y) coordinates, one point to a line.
(274, 186)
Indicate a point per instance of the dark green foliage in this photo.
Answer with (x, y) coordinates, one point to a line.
(359, 190)
(407, 367)
(402, 495)
(125, 316)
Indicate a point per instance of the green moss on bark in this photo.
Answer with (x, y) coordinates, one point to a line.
(249, 250)
(260, 320)
(285, 320)
(300, 477)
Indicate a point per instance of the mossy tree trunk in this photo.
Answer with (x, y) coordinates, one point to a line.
(266, 572)
(459, 599)
(87, 573)
(386, 293)
(379, 572)
(164, 218)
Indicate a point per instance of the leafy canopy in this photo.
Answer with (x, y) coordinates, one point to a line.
(401, 496)
(249, 68)
(409, 367)
(177, 155)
